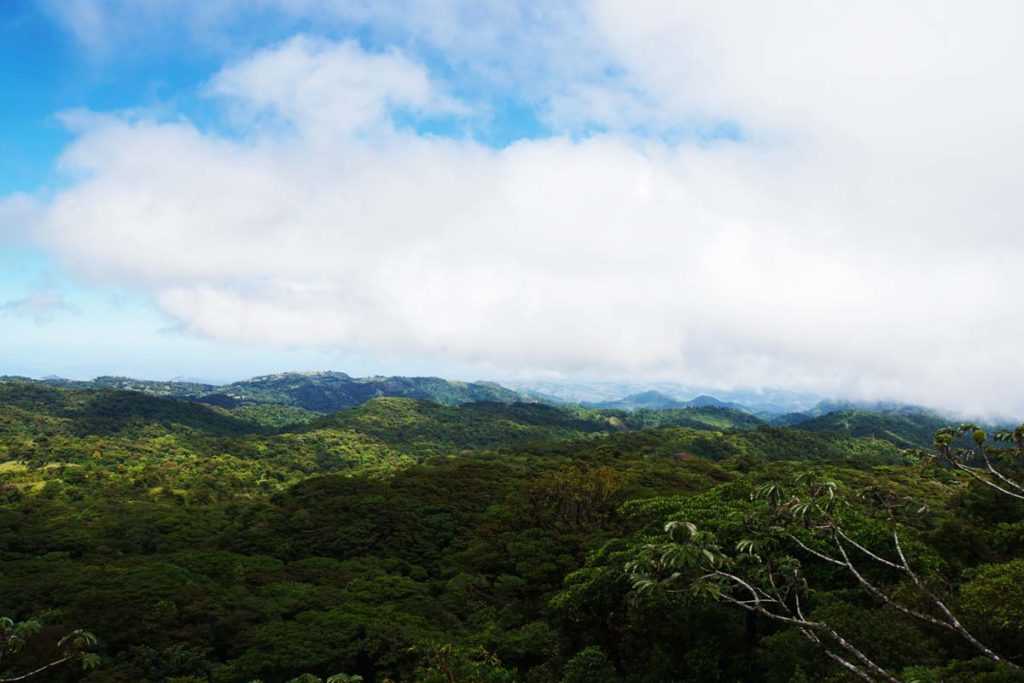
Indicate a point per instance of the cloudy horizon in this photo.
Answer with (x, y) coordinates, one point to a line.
(821, 198)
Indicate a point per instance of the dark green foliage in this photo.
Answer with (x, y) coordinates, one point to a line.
(272, 415)
(428, 428)
(971, 671)
(108, 412)
(70, 649)
(705, 417)
(449, 663)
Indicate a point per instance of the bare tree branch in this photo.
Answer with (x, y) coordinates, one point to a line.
(889, 600)
(954, 623)
(846, 664)
(974, 472)
(40, 670)
(820, 556)
(756, 605)
(1006, 480)
(877, 558)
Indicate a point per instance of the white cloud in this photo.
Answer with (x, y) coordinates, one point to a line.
(862, 240)
(328, 89)
(19, 217)
(41, 306)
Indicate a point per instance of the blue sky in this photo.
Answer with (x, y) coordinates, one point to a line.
(48, 71)
(719, 194)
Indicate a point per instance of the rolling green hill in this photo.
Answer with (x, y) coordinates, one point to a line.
(109, 412)
(427, 428)
(908, 429)
(325, 392)
(708, 417)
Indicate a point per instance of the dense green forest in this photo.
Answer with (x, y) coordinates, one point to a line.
(458, 541)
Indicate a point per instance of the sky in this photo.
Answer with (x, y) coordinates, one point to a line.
(823, 197)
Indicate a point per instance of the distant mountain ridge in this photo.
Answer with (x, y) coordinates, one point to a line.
(320, 392)
(704, 401)
(298, 397)
(758, 401)
(656, 400)
(646, 400)
(325, 392)
(829, 407)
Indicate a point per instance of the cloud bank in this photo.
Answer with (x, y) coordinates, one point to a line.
(857, 232)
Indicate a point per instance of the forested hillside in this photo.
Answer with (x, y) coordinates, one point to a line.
(408, 540)
(321, 392)
(901, 427)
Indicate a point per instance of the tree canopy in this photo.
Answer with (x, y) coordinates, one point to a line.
(411, 541)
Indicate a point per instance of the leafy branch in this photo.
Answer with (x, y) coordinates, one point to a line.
(980, 460)
(812, 517)
(74, 646)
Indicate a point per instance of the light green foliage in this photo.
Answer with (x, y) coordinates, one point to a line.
(994, 595)
(590, 665)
